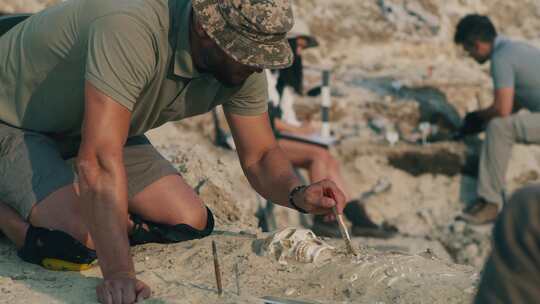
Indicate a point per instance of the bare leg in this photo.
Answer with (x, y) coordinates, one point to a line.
(12, 225)
(57, 211)
(318, 161)
(170, 201)
(61, 210)
(167, 201)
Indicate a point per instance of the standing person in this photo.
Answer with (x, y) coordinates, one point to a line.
(87, 79)
(515, 69)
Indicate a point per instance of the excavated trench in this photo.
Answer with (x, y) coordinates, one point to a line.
(428, 161)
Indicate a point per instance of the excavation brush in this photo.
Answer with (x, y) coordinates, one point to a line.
(342, 228)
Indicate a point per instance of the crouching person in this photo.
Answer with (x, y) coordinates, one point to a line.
(71, 87)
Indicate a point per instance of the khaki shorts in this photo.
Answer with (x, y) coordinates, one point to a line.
(33, 165)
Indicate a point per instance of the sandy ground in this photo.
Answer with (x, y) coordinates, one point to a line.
(375, 47)
(183, 273)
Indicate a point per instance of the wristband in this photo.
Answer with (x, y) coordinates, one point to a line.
(291, 198)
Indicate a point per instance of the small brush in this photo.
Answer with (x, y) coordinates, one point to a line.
(342, 227)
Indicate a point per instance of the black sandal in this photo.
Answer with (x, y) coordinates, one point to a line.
(363, 226)
(55, 250)
(145, 231)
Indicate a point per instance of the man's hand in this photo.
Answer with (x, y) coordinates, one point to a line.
(123, 289)
(473, 123)
(320, 197)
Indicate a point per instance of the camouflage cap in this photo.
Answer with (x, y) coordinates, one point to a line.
(253, 32)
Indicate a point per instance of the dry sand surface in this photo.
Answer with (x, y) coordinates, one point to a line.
(394, 66)
(183, 273)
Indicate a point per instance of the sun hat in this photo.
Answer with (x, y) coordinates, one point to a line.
(253, 32)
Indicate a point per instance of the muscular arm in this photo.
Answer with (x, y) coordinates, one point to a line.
(270, 172)
(502, 106)
(102, 180)
(264, 163)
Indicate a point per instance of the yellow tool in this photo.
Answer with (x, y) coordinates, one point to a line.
(60, 265)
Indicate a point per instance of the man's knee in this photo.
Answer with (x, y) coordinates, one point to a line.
(61, 211)
(149, 232)
(196, 217)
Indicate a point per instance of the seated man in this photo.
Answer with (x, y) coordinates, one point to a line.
(315, 158)
(512, 273)
(515, 69)
(320, 165)
(87, 79)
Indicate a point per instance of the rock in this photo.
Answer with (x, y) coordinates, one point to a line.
(290, 291)
(472, 250)
(434, 106)
(459, 227)
(409, 14)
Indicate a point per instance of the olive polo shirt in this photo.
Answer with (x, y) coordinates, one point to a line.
(135, 51)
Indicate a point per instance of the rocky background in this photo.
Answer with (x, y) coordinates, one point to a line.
(395, 64)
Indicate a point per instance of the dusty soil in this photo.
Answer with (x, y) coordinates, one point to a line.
(183, 273)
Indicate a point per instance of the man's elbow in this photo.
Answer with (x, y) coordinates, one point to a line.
(252, 161)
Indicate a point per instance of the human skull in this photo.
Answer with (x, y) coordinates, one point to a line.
(300, 245)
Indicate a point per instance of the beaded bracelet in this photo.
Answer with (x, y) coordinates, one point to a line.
(291, 196)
